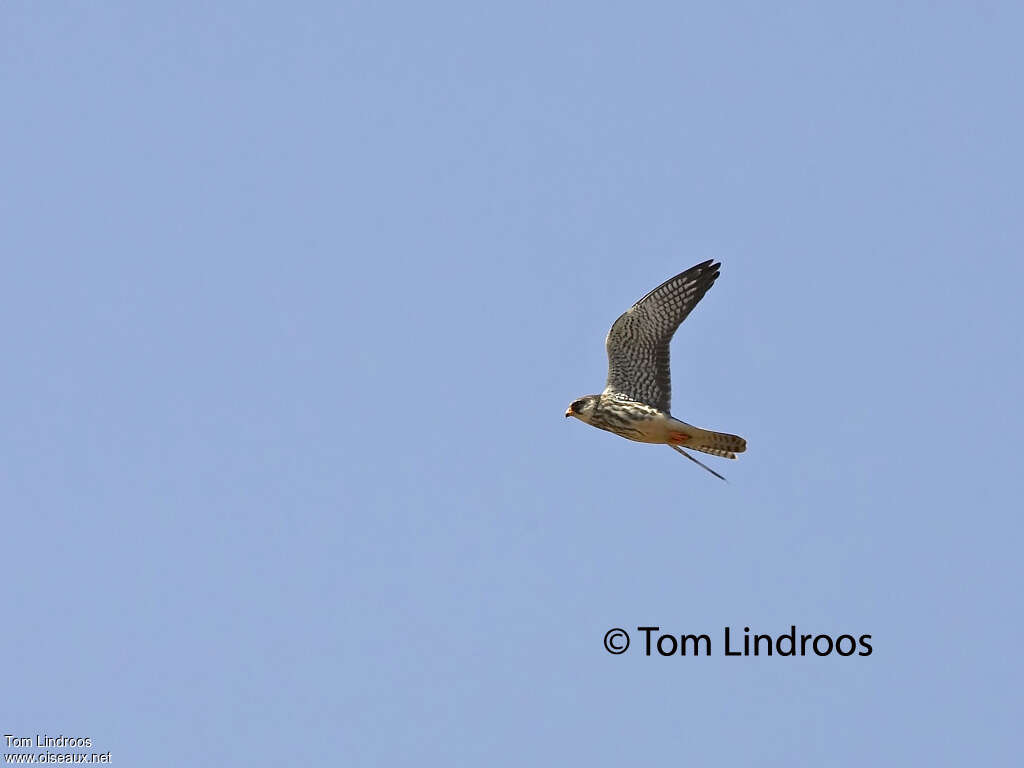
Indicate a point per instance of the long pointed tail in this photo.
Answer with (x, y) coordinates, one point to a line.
(697, 461)
(716, 443)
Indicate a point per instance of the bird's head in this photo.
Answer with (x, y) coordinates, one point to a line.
(583, 408)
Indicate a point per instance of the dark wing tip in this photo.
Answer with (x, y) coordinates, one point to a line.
(706, 272)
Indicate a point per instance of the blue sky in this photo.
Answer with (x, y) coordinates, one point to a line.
(295, 299)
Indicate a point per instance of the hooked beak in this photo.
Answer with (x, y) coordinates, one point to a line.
(568, 412)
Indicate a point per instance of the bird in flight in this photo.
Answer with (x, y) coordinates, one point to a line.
(636, 399)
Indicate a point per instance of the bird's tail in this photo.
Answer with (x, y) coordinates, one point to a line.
(716, 443)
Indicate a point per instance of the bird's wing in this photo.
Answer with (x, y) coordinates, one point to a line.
(638, 341)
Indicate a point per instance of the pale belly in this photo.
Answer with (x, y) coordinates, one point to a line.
(652, 430)
(645, 425)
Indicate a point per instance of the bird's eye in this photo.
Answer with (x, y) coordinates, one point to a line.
(577, 406)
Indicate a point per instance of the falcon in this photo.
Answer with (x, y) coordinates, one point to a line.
(636, 399)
